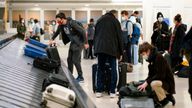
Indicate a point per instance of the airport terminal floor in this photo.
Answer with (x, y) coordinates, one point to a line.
(139, 73)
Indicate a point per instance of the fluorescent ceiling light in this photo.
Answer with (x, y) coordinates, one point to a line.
(36, 5)
(87, 5)
(120, 0)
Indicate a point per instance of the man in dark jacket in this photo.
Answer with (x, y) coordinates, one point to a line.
(108, 47)
(72, 31)
(160, 77)
(187, 46)
(91, 32)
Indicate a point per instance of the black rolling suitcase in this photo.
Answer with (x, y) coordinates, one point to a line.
(45, 64)
(53, 53)
(55, 79)
(123, 69)
(106, 78)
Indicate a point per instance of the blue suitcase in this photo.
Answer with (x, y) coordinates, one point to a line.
(34, 53)
(36, 48)
(37, 43)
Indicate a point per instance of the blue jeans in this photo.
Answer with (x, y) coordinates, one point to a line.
(102, 58)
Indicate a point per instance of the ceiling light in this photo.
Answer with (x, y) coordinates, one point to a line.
(87, 5)
(36, 5)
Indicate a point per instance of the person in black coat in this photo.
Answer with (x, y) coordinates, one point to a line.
(160, 31)
(72, 31)
(160, 77)
(108, 46)
(187, 46)
(176, 42)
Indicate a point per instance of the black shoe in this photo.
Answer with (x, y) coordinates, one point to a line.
(171, 99)
(164, 102)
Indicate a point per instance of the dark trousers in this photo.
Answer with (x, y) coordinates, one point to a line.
(74, 58)
(90, 48)
(127, 53)
(102, 58)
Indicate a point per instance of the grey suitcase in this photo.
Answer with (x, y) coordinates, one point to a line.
(141, 102)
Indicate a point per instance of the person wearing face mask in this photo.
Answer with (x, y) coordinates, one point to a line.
(21, 29)
(127, 29)
(72, 31)
(160, 78)
(160, 30)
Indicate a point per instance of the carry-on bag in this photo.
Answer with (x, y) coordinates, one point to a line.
(34, 53)
(46, 64)
(56, 96)
(55, 79)
(37, 43)
(53, 53)
(106, 77)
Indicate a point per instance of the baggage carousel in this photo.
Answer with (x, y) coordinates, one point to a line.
(20, 82)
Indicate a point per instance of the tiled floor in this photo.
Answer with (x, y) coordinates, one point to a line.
(139, 73)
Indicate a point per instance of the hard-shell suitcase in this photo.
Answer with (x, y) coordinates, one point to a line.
(37, 43)
(35, 48)
(141, 102)
(45, 64)
(53, 53)
(106, 78)
(56, 96)
(55, 79)
(34, 53)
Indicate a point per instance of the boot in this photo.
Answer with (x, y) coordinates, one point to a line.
(171, 99)
(164, 102)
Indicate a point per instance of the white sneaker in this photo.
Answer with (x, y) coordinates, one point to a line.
(112, 95)
(98, 95)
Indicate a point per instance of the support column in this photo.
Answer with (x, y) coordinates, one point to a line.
(103, 11)
(119, 15)
(73, 14)
(88, 15)
(42, 23)
(10, 15)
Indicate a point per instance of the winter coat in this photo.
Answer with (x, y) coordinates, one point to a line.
(178, 40)
(187, 41)
(159, 69)
(108, 37)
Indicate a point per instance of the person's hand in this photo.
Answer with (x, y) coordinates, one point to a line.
(131, 36)
(142, 87)
(163, 35)
(121, 57)
(51, 42)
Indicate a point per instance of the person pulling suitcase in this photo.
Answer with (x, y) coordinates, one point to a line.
(73, 31)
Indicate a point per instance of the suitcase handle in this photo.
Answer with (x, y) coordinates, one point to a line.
(49, 90)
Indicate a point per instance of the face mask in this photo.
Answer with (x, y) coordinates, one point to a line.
(123, 19)
(22, 21)
(160, 19)
(60, 22)
(145, 57)
(53, 23)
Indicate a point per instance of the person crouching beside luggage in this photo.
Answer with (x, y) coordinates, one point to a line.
(72, 31)
(160, 77)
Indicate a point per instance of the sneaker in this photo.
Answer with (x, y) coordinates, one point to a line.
(98, 95)
(80, 79)
(112, 95)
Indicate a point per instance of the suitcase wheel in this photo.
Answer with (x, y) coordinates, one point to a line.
(49, 90)
(71, 98)
(44, 104)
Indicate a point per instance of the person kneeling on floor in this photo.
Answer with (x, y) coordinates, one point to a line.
(160, 77)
